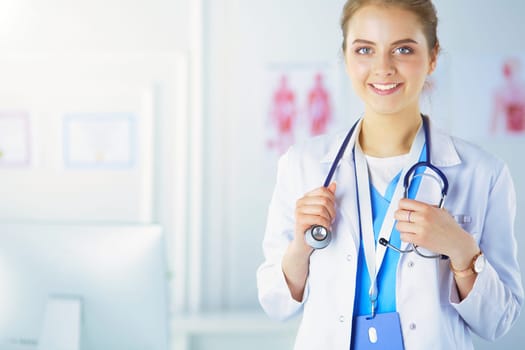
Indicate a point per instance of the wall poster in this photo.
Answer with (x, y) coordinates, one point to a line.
(15, 139)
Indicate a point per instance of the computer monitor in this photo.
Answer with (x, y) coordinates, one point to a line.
(117, 272)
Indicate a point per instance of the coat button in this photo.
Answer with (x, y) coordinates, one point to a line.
(410, 263)
(349, 257)
(341, 318)
(412, 326)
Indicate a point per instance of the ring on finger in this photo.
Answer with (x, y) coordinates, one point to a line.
(409, 213)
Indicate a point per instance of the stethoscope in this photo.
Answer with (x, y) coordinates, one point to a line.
(318, 236)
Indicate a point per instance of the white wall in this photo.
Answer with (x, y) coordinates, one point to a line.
(97, 25)
(244, 38)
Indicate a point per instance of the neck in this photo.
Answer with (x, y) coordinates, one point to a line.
(388, 135)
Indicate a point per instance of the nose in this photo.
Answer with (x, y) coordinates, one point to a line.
(383, 65)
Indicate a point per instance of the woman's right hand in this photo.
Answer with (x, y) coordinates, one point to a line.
(316, 207)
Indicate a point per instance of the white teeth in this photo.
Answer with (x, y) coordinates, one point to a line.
(384, 87)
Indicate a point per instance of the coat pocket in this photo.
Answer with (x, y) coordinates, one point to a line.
(466, 222)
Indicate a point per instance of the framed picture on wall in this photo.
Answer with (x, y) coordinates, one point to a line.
(15, 141)
(100, 140)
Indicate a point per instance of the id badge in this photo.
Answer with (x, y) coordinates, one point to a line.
(381, 332)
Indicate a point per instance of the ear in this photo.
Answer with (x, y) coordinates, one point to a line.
(433, 59)
(346, 66)
(343, 54)
(432, 67)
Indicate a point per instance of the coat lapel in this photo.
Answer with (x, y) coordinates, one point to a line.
(347, 220)
(346, 197)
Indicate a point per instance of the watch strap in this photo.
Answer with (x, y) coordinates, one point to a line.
(467, 271)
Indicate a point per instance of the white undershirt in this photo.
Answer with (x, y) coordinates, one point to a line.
(382, 170)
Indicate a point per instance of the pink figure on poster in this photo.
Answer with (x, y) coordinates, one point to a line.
(319, 110)
(283, 116)
(509, 101)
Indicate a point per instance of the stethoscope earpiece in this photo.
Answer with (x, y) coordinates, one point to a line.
(318, 237)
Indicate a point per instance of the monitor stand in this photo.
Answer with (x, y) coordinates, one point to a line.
(61, 328)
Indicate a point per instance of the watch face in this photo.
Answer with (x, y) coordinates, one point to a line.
(479, 264)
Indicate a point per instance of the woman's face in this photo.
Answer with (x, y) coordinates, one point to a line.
(387, 58)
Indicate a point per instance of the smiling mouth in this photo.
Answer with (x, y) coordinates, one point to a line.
(385, 89)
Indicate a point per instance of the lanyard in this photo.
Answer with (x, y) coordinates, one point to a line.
(374, 254)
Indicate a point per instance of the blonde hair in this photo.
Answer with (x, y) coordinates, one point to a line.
(423, 9)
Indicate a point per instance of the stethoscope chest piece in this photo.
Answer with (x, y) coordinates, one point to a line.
(318, 237)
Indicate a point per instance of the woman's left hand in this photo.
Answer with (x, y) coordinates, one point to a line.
(435, 229)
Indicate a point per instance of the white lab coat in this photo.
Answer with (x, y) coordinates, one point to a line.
(432, 317)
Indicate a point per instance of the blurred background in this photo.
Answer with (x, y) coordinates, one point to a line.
(138, 149)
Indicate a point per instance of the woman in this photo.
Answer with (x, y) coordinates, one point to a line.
(462, 277)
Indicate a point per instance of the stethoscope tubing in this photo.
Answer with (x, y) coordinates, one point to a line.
(339, 155)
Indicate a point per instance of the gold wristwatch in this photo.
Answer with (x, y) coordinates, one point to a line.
(477, 265)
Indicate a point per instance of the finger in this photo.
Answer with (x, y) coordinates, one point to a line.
(317, 205)
(323, 195)
(327, 203)
(411, 204)
(318, 210)
(321, 192)
(316, 199)
(408, 237)
(307, 220)
(332, 187)
(407, 227)
(321, 201)
(404, 215)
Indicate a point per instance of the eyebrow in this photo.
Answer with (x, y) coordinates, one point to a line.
(402, 41)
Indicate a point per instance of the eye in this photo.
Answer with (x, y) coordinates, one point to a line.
(404, 50)
(363, 50)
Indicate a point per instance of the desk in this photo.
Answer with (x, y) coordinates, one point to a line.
(232, 331)
(4, 346)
